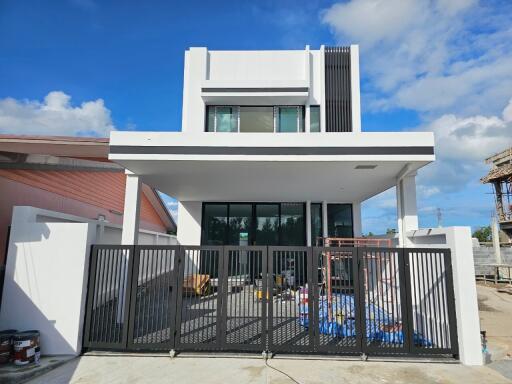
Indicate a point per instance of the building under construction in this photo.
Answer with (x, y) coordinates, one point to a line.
(500, 176)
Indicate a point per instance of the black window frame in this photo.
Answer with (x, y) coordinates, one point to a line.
(252, 231)
(351, 217)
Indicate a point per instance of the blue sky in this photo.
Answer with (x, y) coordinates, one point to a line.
(86, 67)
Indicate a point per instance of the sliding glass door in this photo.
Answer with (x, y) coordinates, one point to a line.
(253, 224)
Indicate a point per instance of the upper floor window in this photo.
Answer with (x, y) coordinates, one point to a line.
(289, 119)
(255, 118)
(314, 118)
(222, 119)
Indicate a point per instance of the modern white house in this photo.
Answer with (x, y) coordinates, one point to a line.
(271, 164)
(273, 138)
(271, 153)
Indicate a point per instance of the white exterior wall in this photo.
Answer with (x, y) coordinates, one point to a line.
(249, 69)
(407, 212)
(46, 274)
(458, 239)
(45, 281)
(189, 222)
(355, 88)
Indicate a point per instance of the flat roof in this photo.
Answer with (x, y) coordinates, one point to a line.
(337, 167)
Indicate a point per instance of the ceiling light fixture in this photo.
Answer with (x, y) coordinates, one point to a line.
(366, 166)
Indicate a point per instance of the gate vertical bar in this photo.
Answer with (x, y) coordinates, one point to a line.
(91, 293)
(179, 296)
(133, 298)
(359, 301)
(222, 291)
(361, 331)
(268, 286)
(409, 335)
(128, 253)
(450, 298)
(406, 298)
(311, 311)
(264, 276)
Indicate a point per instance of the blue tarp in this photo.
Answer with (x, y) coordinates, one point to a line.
(342, 322)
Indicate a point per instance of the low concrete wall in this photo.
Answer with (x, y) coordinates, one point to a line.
(458, 239)
(46, 274)
(45, 277)
(485, 255)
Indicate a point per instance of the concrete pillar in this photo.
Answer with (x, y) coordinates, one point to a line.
(407, 212)
(324, 219)
(131, 215)
(496, 240)
(466, 305)
(308, 223)
(189, 222)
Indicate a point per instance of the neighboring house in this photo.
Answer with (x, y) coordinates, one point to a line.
(69, 175)
(271, 150)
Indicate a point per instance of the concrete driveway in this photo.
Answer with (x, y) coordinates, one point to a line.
(495, 310)
(495, 314)
(224, 370)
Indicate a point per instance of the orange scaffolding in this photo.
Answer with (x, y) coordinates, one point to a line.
(329, 257)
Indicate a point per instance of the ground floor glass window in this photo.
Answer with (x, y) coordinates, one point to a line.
(339, 220)
(253, 224)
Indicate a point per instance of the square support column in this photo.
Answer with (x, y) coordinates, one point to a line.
(324, 219)
(407, 212)
(131, 215)
(308, 223)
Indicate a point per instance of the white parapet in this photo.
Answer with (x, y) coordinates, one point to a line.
(458, 239)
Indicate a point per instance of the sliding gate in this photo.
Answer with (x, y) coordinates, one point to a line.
(327, 300)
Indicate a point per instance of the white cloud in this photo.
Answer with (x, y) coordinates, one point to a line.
(462, 144)
(55, 115)
(431, 56)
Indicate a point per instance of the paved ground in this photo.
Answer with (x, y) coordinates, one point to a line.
(496, 319)
(147, 369)
(13, 374)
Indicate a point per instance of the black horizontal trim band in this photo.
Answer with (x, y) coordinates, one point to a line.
(287, 89)
(194, 150)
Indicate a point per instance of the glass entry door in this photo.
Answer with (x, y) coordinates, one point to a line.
(267, 224)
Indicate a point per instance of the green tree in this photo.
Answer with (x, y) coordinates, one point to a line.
(483, 234)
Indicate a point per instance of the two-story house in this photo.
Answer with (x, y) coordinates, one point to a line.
(271, 151)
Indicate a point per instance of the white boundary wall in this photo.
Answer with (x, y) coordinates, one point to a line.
(458, 239)
(46, 274)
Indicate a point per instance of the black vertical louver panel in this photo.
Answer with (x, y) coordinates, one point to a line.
(338, 111)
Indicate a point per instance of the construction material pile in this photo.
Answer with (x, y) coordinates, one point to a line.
(340, 320)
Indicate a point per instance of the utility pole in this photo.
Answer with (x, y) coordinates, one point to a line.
(439, 218)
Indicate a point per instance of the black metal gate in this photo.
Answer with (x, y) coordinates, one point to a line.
(327, 300)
